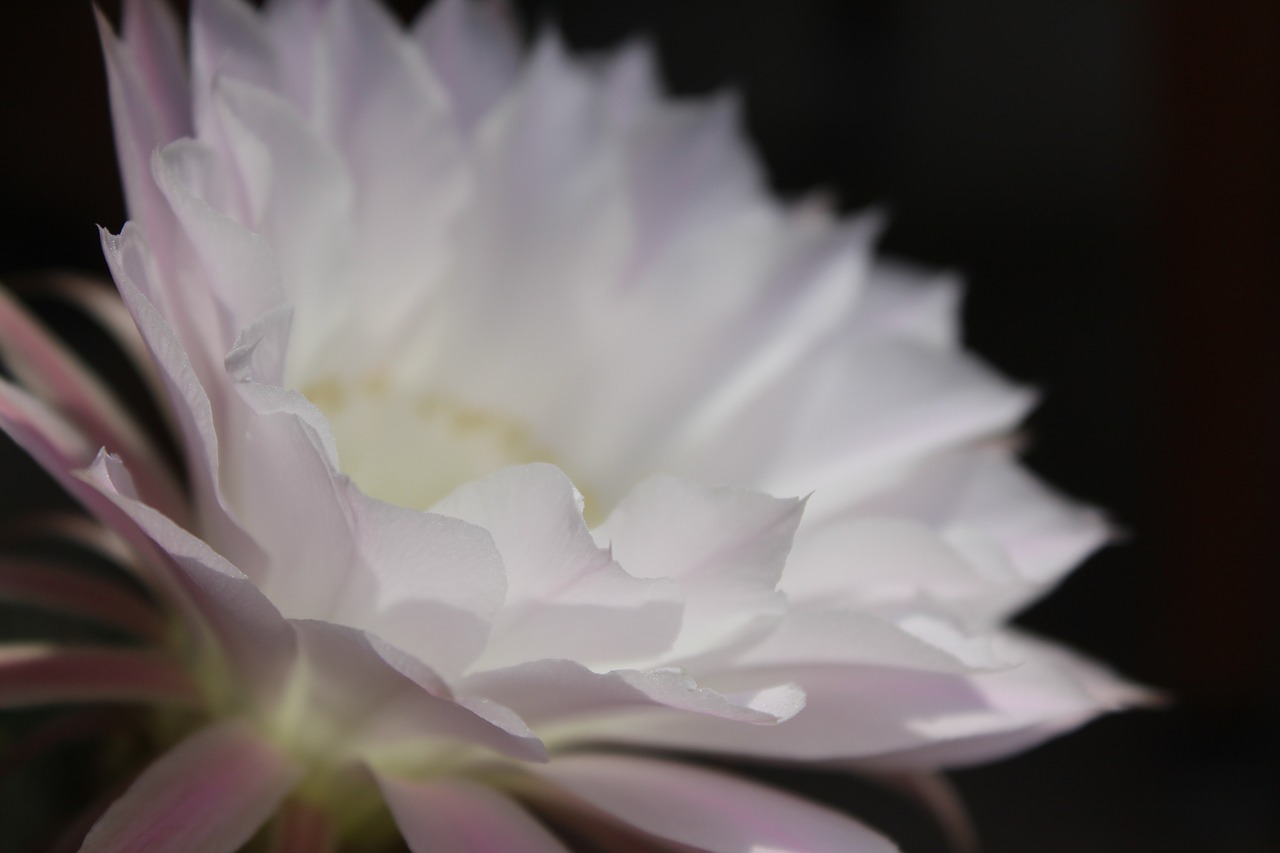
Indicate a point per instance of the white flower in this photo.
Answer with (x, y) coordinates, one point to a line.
(484, 368)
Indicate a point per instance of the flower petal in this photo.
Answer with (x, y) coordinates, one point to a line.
(357, 74)
(983, 496)
(564, 693)
(145, 78)
(565, 597)
(248, 629)
(892, 717)
(906, 303)
(877, 563)
(300, 199)
(725, 546)
(190, 378)
(209, 793)
(706, 809)
(373, 701)
(474, 48)
(440, 581)
(461, 816)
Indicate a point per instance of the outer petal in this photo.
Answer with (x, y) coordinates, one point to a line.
(461, 816)
(233, 264)
(189, 376)
(858, 414)
(982, 498)
(882, 563)
(142, 74)
(704, 809)
(248, 629)
(210, 793)
(354, 74)
(900, 717)
(906, 303)
(474, 49)
(300, 199)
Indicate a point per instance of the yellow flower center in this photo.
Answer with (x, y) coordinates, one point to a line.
(413, 449)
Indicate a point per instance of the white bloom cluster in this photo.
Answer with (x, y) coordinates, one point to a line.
(496, 376)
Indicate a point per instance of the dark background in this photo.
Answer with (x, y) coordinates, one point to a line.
(1107, 175)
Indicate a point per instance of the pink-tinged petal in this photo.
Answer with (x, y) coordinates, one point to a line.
(424, 582)
(903, 302)
(33, 675)
(247, 628)
(280, 452)
(474, 48)
(895, 717)
(611, 413)
(228, 39)
(875, 563)
(632, 85)
(857, 413)
(565, 597)
(553, 692)
(993, 509)
(364, 698)
(705, 809)
(153, 36)
(440, 581)
(50, 586)
(804, 299)
(209, 793)
(354, 74)
(236, 265)
(303, 828)
(726, 547)
(50, 370)
(191, 373)
(62, 452)
(1051, 691)
(301, 201)
(853, 638)
(143, 117)
(461, 816)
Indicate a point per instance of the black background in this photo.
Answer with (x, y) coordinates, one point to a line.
(1107, 175)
